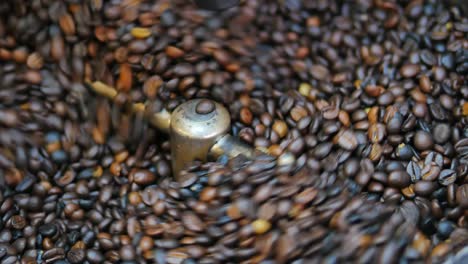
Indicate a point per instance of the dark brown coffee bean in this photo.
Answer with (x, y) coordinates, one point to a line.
(410, 70)
(296, 147)
(48, 230)
(322, 150)
(8, 118)
(423, 140)
(447, 177)
(284, 247)
(425, 84)
(441, 133)
(351, 167)
(192, 222)
(319, 72)
(142, 177)
(462, 196)
(385, 98)
(347, 140)
(246, 116)
(76, 255)
(424, 188)
(94, 256)
(18, 222)
(414, 171)
(359, 126)
(54, 254)
(410, 212)
(306, 196)
(399, 179)
(127, 253)
(428, 58)
(10, 260)
(67, 178)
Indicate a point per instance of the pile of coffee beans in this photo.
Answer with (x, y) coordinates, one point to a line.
(361, 105)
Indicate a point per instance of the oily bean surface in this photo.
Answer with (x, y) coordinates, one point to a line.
(362, 107)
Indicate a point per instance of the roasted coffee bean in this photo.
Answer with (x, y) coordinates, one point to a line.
(399, 179)
(48, 230)
(462, 196)
(423, 140)
(142, 177)
(347, 140)
(94, 256)
(445, 228)
(441, 133)
(424, 188)
(410, 70)
(447, 177)
(54, 254)
(76, 255)
(414, 171)
(127, 253)
(18, 222)
(351, 167)
(365, 121)
(192, 222)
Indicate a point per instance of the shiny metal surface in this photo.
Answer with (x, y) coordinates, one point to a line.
(194, 133)
(231, 147)
(198, 129)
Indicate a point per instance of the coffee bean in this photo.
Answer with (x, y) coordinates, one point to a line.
(280, 128)
(445, 228)
(192, 222)
(127, 253)
(462, 196)
(351, 167)
(174, 52)
(10, 260)
(414, 171)
(297, 146)
(447, 177)
(284, 247)
(365, 120)
(385, 98)
(428, 58)
(347, 140)
(76, 255)
(54, 254)
(409, 70)
(322, 150)
(424, 188)
(441, 133)
(399, 179)
(246, 116)
(409, 211)
(423, 140)
(142, 177)
(18, 222)
(94, 256)
(319, 72)
(35, 61)
(48, 230)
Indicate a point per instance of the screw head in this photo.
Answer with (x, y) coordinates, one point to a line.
(205, 107)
